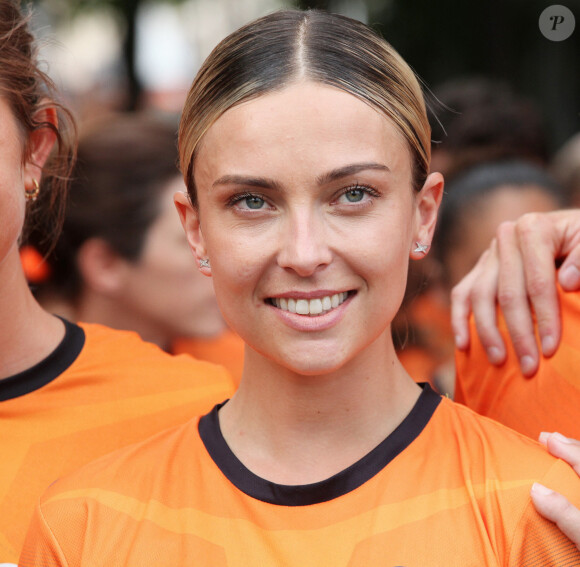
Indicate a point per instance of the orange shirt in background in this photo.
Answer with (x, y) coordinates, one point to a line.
(550, 401)
(100, 390)
(227, 349)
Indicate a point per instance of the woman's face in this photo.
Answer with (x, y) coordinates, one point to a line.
(307, 215)
(12, 178)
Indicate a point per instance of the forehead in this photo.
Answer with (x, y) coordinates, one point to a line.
(308, 125)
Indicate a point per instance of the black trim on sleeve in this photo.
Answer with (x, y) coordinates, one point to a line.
(48, 369)
(338, 485)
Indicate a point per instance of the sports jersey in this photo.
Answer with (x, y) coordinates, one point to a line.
(446, 488)
(98, 391)
(550, 401)
(226, 349)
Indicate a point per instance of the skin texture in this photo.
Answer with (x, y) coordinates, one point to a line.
(518, 272)
(550, 504)
(27, 333)
(305, 193)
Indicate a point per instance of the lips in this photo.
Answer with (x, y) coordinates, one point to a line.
(311, 307)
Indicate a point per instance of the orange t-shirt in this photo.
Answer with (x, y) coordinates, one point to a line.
(227, 349)
(446, 488)
(100, 390)
(550, 401)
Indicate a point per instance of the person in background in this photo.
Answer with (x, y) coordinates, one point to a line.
(474, 120)
(531, 273)
(477, 120)
(565, 165)
(122, 259)
(476, 202)
(68, 393)
(304, 144)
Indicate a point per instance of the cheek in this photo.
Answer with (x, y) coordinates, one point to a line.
(12, 215)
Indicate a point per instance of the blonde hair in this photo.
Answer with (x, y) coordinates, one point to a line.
(271, 52)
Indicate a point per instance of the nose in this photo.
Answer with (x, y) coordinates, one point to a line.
(304, 246)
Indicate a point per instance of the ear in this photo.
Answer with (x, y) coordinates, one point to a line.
(427, 205)
(102, 270)
(189, 216)
(40, 144)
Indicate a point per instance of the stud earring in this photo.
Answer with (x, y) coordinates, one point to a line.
(421, 248)
(204, 263)
(32, 194)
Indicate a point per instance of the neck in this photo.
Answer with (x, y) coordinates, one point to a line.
(28, 334)
(295, 429)
(98, 308)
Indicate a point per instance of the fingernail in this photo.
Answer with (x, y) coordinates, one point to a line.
(569, 276)
(494, 355)
(548, 344)
(543, 437)
(561, 438)
(541, 489)
(459, 341)
(527, 364)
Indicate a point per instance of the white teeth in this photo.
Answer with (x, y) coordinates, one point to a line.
(302, 307)
(315, 307)
(312, 306)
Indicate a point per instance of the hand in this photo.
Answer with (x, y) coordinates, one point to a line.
(518, 272)
(552, 505)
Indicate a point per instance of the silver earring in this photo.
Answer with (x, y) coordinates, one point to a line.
(421, 248)
(204, 263)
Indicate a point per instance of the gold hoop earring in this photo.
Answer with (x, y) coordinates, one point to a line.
(32, 195)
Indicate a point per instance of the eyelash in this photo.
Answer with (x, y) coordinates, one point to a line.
(241, 196)
(371, 191)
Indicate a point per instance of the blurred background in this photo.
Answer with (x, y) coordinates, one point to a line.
(504, 106)
(130, 54)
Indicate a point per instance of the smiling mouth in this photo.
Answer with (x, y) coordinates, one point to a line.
(311, 307)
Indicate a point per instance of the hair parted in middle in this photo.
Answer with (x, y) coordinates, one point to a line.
(289, 46)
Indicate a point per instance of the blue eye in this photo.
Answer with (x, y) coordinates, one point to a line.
(354, 195)
(247, 201)
(254, 202)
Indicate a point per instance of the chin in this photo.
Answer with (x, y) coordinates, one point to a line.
(313, 366)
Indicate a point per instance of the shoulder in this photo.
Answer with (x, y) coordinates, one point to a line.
(134, 471)
(126, 352)
(483, 438)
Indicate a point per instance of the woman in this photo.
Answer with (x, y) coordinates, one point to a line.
(68, 393)
(304, 144)
(122, 259)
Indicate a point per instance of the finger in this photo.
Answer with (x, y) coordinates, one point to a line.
(538, 245)
(557, 509)
(484, 304)
(513, 300)
(563, 447)
(461, 310)
(569, 273)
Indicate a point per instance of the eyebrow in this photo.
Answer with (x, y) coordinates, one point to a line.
(333, 175)
(263, 182)
(350, 170)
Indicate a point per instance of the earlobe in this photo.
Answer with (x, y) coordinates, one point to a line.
(427, 206)
(189, 217)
